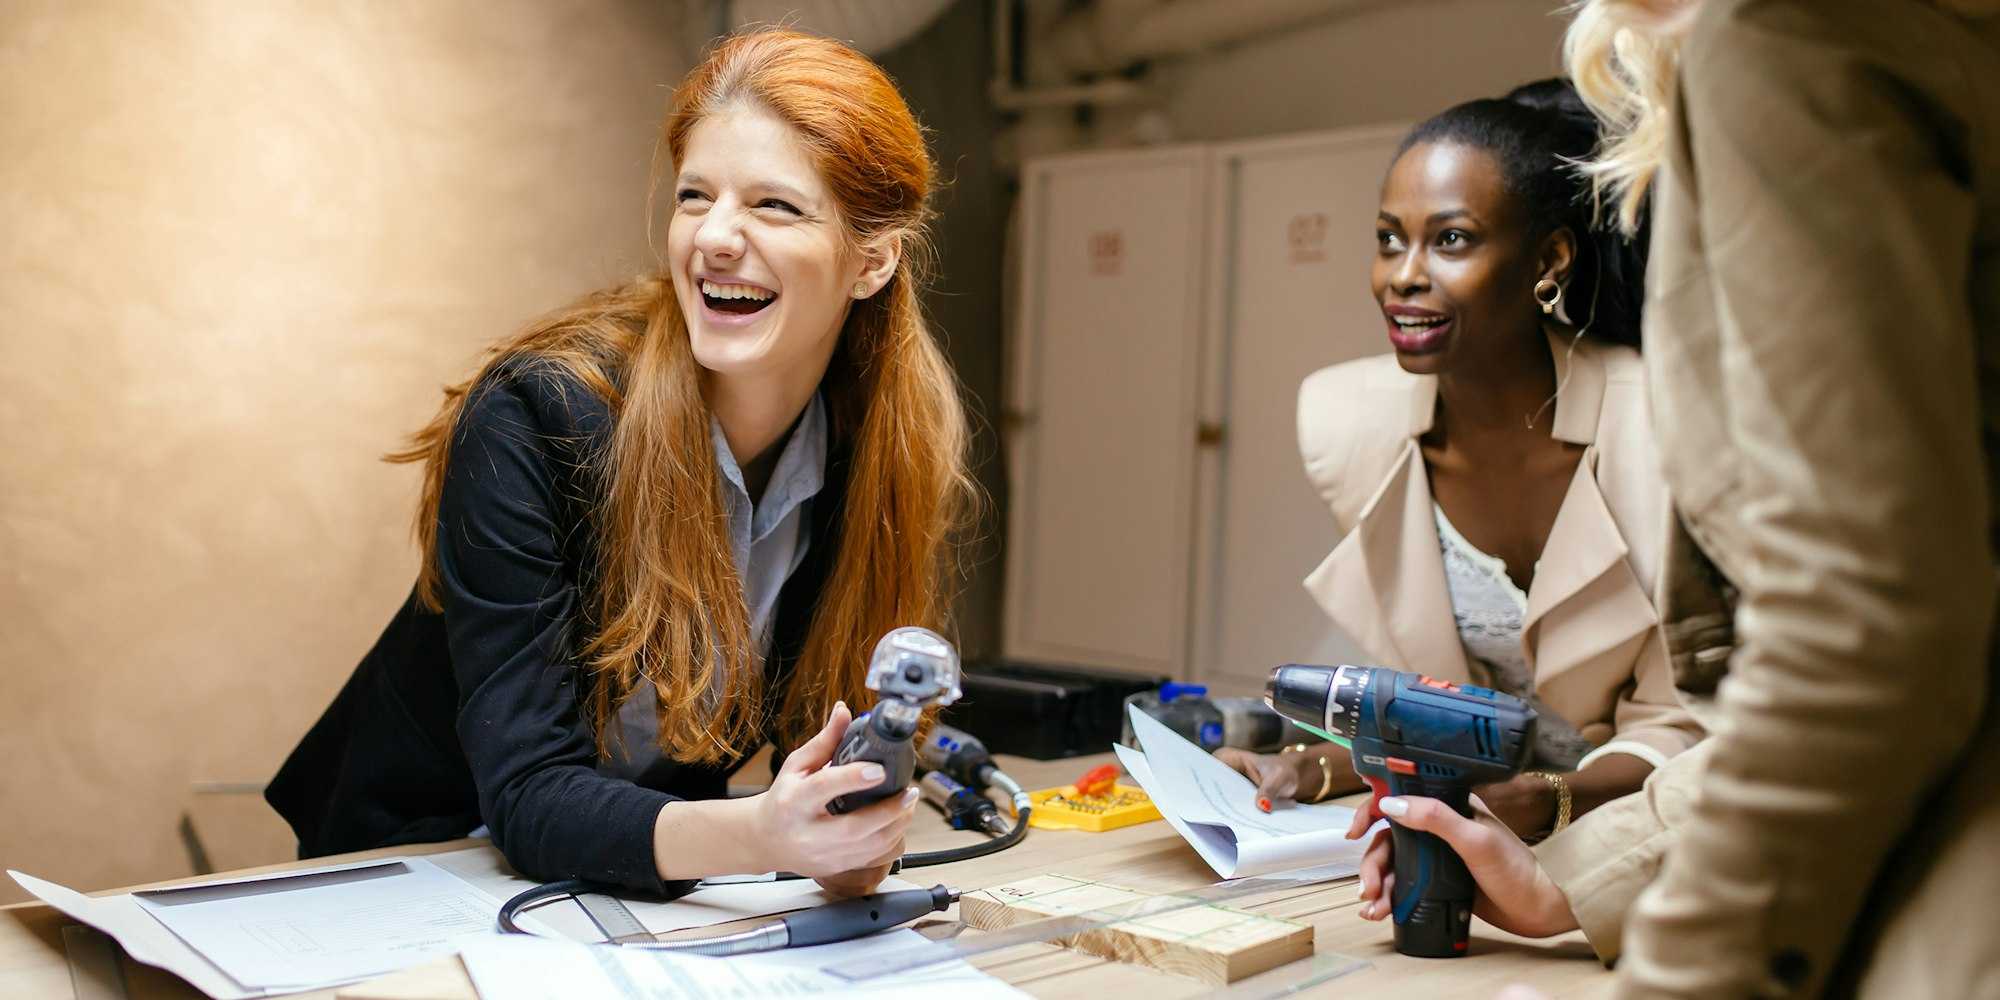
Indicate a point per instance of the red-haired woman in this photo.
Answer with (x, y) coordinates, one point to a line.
(666, 525)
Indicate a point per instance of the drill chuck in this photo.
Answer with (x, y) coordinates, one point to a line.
(1324, 700)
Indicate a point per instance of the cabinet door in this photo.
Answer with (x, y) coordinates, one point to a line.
(1297, 219)
(1101, 455)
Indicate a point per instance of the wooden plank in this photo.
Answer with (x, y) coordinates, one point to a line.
(1214, 944)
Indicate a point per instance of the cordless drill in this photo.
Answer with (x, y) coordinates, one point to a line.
(913, 668)
(1414, 735)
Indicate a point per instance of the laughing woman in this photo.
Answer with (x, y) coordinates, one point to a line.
(665, 526)
(1494, 476)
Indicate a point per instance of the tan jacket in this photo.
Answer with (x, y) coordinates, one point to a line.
(1590, 634)
(1823, 337)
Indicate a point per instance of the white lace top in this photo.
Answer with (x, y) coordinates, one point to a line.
(1489, 611)
(1487, 607)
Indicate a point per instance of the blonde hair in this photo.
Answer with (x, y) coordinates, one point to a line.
(666, 608)
(1624, 58)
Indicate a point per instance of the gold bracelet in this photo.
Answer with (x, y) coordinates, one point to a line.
(1325, 779)
(1325, 773)
(1563, 801)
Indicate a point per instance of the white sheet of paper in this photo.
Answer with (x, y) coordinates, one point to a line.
(1214, 808)
(520, 968)
(485, 868)
(285, 931)
(336, 932)
(142, 937)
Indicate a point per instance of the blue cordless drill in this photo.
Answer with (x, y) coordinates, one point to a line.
(1415, 735)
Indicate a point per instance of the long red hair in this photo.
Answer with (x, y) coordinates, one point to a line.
(667, 608)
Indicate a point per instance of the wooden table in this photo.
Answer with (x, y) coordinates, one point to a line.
(1148, 856)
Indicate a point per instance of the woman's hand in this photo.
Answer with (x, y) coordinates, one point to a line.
(1276, 775)
(798, 834)
(862, 881)
(1525, 803)
(1514, 894)
(1288, 775)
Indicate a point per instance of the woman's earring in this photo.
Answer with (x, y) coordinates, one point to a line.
(860, 289)
(1549, 294)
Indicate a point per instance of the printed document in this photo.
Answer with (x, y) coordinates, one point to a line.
(524, 968)
(1215, 809)
(289, 931)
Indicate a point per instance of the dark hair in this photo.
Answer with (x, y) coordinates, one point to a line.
(1536, 133)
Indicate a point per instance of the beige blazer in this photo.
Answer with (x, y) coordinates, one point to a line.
(1823, 336)
(1590, 634)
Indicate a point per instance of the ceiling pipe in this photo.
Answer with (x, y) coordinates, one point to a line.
(872, 26)
(1112, 35)
(1044, 86)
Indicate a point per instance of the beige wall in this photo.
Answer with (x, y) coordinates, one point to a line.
(1394, 61)
(243, 245)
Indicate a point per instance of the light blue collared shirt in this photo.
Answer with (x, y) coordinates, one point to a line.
(768, 539)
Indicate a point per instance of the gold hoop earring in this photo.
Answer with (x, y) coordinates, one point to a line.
(1549, 294)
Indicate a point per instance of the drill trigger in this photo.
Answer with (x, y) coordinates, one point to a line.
(1381, 788)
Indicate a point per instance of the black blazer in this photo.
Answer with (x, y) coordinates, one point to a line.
(472, 715)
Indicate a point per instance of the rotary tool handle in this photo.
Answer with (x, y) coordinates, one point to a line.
(862, 743)
(853, 918)
(1432, 900)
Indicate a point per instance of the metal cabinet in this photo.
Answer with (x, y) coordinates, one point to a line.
(1103, 387)
(1169, 303)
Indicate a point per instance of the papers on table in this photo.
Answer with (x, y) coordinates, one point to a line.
(1214, 808)
(292, 930)
(522, 968)
(338, 924)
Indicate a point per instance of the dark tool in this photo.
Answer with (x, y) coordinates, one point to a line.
(961, 757)
(1414, 735)
(1042, 710)
(963, 808)
(913, 668)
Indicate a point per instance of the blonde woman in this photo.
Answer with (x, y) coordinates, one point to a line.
(665, 526)
(1822, 323)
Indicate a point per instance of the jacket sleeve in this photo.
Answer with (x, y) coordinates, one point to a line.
(1609, 855)
(1649, 722)
(1837, 216)
(509, 607)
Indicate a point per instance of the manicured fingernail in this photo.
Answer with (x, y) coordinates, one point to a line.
(838, 705)
(909, 796)
(1393, 806)
(1264, 802)
(873, 772)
